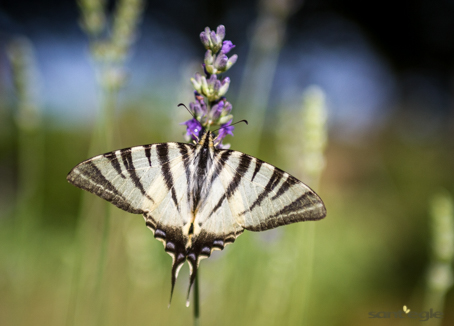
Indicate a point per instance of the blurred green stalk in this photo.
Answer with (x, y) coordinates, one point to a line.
(314, 140)
(109, 55)
(267, 39)
(30, 135)
(196, 301)
(440, 273)
(303, 137)
(31, 156)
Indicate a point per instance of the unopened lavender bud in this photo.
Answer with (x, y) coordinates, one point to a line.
(227, 46)
(216, 42)
(221, 62)
(212, 80)
(213, 36)
(211, 40)
(216, 86)
(220, 31)
(225, 119)
(227, 108)
(231, 61)
(210, 69)
(224, 86)
(205, 40)
(217, 110)
(209, 58)
(205, 88)
(193, 108)
(197, 82)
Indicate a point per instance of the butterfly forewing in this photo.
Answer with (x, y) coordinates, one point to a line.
(130, 178)
(272, 197)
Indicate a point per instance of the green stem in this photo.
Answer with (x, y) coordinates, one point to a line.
(196, 301)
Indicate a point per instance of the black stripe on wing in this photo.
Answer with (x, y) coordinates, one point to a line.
(286, 185)
(243, 166)
(114, 162)
(272, 183)
(88, 176)
(220, 163)
(307, 207)
(163, 155)
(147, 149)
(258, 165)
(184, 151)
(126, 156)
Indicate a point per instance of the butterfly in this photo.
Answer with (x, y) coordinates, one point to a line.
(197, 198)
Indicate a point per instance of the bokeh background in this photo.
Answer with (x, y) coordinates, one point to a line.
(384, 74)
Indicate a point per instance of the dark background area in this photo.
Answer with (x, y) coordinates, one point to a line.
(411, 34)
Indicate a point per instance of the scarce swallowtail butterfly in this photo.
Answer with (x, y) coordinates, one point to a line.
(196, 198)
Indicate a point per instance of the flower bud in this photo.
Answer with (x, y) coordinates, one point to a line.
(205, 40)
(220, 31)
(221, 62)
(224, 86)
(225, 119)
(227, 46)
(231, 61)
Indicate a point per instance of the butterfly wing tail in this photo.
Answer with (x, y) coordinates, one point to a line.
(178, 262)
(193, 266)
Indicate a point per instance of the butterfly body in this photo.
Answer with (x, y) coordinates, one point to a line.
(196, 198)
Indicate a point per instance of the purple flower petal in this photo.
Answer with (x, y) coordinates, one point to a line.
(227, 46)
(193, 128)
(226, 129)
(217, 109)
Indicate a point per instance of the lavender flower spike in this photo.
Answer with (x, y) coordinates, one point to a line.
(210, 108)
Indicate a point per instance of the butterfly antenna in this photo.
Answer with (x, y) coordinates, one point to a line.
(192, 114)
(214, 140)
(245, 121)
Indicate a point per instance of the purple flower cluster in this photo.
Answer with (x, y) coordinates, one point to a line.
(210, 108)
